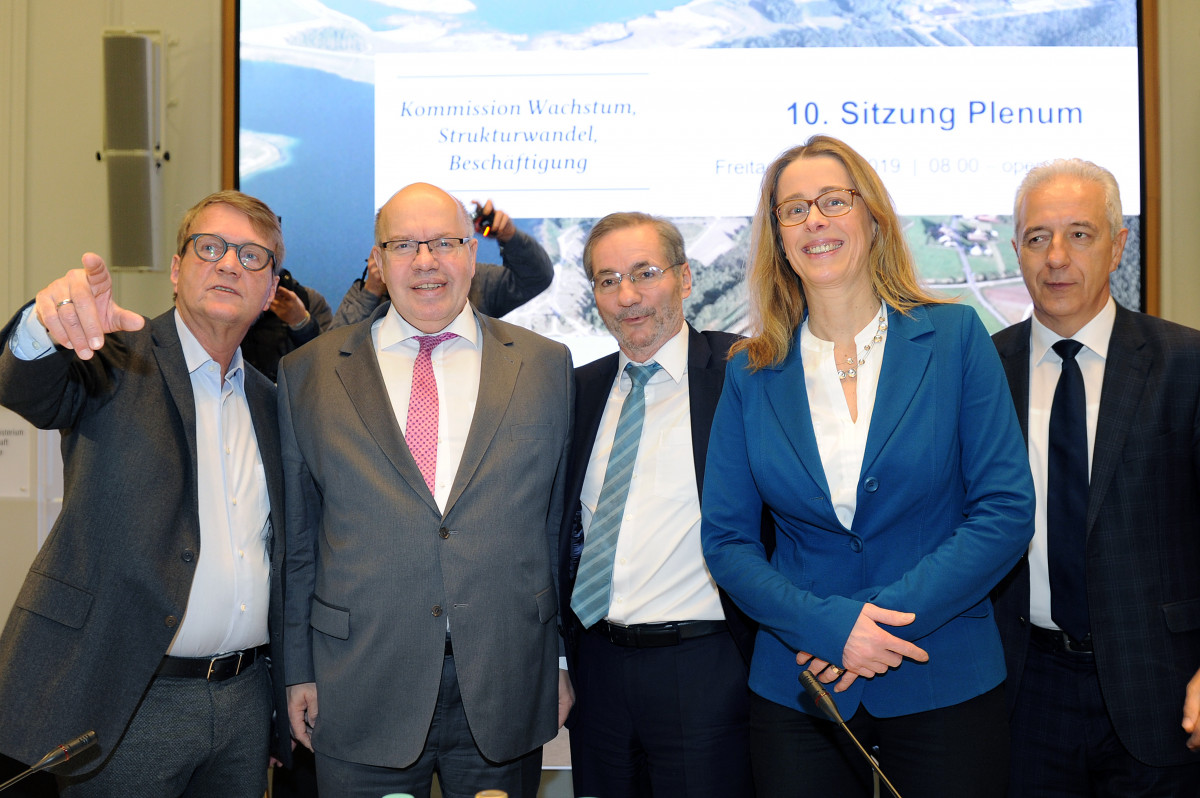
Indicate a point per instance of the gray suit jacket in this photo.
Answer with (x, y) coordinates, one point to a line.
(375, 569)
(1143, 532)
(104, 596)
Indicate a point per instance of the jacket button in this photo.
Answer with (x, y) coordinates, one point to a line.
(444, 533)
(437, 610)
(871, 484)
(855, 545)
(171, 621)
(188, 555)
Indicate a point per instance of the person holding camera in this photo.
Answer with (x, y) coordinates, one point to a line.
(297, 315)
(496, 290)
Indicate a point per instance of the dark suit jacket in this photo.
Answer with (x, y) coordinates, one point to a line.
(707, 353)
(375, 568)
(1143, 520)
(104, 595)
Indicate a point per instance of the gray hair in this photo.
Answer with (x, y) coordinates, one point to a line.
(1081, 170)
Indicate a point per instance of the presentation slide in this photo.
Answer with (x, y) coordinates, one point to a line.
(562, 114)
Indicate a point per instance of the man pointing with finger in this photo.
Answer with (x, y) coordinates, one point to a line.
(145, 615)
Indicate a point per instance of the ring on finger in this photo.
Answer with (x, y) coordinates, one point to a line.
(836, 670)
(63, 302)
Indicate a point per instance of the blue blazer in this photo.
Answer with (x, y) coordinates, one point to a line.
(945, 508)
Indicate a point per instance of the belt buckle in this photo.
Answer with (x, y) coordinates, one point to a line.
(1075, 647)
(212, 663)
(617, 633)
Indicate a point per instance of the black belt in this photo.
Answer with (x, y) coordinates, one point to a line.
(1056, 640)
(656, 635)
(214, 669)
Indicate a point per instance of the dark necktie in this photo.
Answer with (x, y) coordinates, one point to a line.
(1067, 496)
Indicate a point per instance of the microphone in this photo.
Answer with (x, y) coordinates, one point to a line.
(816, 691)
(60, 754)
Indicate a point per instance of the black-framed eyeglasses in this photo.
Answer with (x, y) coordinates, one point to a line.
(211, 247)
(835, 202)
(404, 249)
(646, 276)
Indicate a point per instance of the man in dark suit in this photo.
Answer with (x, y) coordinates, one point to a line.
(1101, 620)
(657, 655)
(145, 615)
(424, 462)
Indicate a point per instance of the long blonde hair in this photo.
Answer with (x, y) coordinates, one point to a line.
(776, 295)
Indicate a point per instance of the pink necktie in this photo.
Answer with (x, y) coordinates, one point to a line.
(422, 427)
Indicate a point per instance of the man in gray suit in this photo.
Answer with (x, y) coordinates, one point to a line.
(146, 613)
(424, 458)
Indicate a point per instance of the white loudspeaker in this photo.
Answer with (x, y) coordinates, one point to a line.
(133, 147)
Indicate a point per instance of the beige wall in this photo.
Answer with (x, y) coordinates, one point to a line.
(1179, 60)
(53, 196)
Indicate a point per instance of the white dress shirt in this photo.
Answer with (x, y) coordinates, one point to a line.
(227, 604)
(456, 366)
(841, 442)
(1045, 366)
(659, 574)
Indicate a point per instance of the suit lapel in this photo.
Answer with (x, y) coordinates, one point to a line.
(499, 366)
(168, 351)
(358, 371)
(905, 361)
(787, 395)
(1013, 347)
(591, 397)
(704, 388)
(1125, 373)
(266, 432)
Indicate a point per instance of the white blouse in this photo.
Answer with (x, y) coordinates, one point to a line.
(840, 441)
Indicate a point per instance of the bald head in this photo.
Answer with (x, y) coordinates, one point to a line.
(418, 195)
(428, 285)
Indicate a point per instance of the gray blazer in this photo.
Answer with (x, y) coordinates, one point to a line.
(374, 569)
(104, 596)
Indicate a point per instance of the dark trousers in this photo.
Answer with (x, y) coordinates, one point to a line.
(450, 751)
(669, 722)
(951, 752)
(1064, 744)
(189, 737)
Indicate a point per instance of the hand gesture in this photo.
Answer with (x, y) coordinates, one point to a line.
(502, 227)
(78, 309)
(288, 306)
(1191, 712)
(302, 711)
(869, 650)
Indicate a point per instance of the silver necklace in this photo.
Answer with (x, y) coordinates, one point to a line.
(851, 372)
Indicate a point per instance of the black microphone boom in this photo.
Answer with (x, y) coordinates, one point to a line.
(60, 753)
(824, 703)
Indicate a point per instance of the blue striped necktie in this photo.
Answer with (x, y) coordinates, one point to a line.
(592, 594)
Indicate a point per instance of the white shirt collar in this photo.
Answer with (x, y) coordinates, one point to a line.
(672, 356)
(195, 355)
(1094, 335)
(393, 329)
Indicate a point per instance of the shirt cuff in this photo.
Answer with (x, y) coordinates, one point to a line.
(30, 340)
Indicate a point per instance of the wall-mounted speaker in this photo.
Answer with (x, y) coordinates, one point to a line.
(133, 147)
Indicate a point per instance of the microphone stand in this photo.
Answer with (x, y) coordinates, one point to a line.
(821, 698)
(61, 753)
